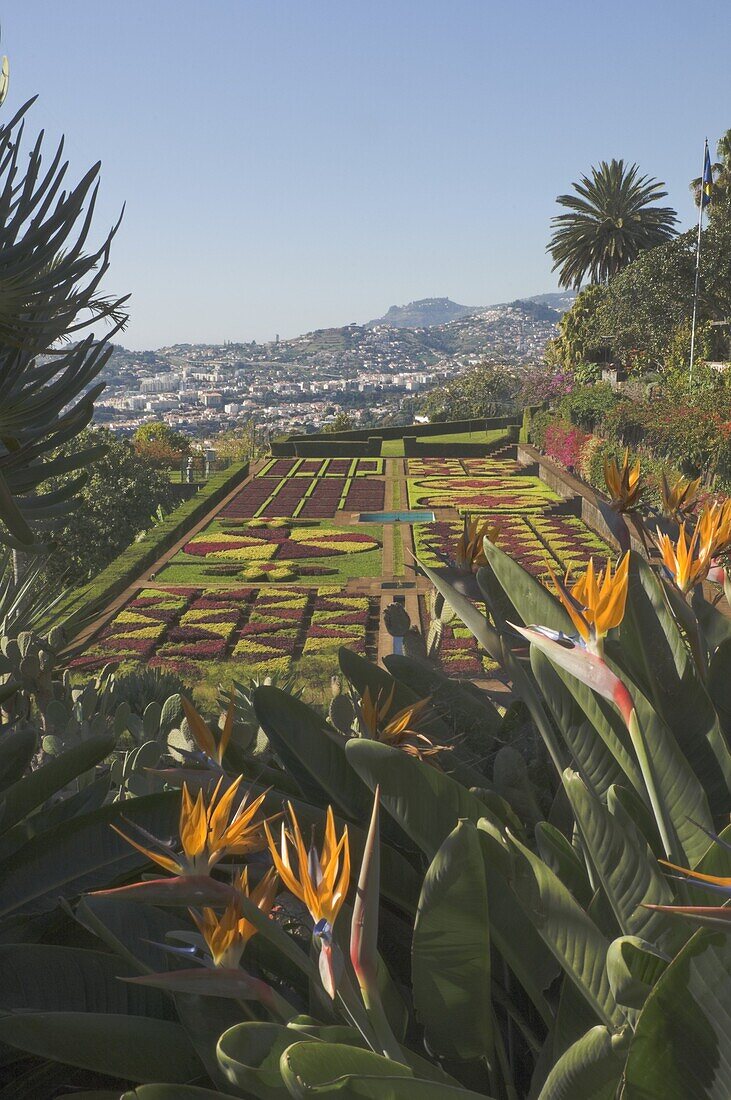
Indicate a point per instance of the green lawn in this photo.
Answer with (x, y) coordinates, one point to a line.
(392, 448)
(466, 437)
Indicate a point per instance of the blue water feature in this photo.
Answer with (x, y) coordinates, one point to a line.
(396, 517)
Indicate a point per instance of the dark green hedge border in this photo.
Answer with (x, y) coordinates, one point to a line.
(78, 607)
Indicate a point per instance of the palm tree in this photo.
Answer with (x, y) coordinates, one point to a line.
(721, 176)
(611, 221)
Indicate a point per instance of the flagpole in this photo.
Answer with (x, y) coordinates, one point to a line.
(697, 266)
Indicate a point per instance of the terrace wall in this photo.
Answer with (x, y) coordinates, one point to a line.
(447, 427)
(570, 487)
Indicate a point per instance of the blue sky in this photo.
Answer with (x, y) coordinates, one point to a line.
(292, 164)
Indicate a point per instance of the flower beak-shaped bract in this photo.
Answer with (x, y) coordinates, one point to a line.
(623, 483)
(595, 604)
(399, 728)
(227, 936)
(209, 831)
(596, 601)
(320, 880)
(690, 560)
(470, 554)
(203, 735)
(677, 499)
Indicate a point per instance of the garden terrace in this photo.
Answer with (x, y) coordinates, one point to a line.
(282, 572)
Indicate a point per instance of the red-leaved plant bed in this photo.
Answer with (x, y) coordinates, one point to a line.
(365, 496)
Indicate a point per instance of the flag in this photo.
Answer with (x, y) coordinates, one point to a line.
(707, 182)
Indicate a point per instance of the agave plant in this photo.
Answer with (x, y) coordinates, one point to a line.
(50, 294)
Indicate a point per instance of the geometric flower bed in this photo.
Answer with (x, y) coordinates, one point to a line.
(339, 620)
(516, 494)
(304, 490)
(254, 630)
(536, 541)
(276, 550)
(322, 467)
(461, 467)
(365, 496)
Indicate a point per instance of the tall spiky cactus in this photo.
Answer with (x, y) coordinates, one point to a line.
(48, 297)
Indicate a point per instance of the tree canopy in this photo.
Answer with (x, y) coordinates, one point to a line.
(120, 498)
(611, 219)
(486, 390)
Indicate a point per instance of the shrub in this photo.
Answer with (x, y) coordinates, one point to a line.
(587, 406)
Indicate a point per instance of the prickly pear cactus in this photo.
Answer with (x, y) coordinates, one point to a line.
(414, 644)
(396, 619)
(341, 713)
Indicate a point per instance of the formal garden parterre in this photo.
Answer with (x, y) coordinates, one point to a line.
(285, 573)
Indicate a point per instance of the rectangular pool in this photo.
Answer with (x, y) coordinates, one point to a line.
(396, 517)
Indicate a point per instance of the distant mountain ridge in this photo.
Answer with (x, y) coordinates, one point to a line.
(427, 312)
(422, 313)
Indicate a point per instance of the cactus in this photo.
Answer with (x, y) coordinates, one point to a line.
(341, 713)
(414, 644)
(396, 619)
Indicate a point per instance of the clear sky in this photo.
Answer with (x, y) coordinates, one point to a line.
(293, 164)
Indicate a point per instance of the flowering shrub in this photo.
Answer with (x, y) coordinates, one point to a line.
(564, 441)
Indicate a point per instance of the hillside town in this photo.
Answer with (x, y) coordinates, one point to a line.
(302, 384)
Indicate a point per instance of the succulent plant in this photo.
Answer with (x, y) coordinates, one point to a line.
(341, 713)
(396, 619)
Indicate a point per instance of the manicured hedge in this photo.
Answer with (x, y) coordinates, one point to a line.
(83, 602)
(483, 424)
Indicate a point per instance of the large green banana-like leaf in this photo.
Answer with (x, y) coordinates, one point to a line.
(682, 1042)
(45, 978)
(629, 874)
(82, 854)
(590, 1069)
(533, 602)
(634, 814)
(249, 1055)
(654, 652)
(166, 1092)
(464, 707)
(633, 966)
(424, 801)
(715, 625)
(680, 795)
(322, 1069)
(131, 929)
(511, 931)
(136, 1048)
(568, 931)
(314, 754)
(556, 851)
(450, 962)
(364, 675)
(32, 790)
(590, 727)
(719, 682)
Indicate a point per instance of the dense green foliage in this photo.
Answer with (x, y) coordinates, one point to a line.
(642, 316)
(161, 445)
(140, 555)
(484, 391)
(121, 498)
